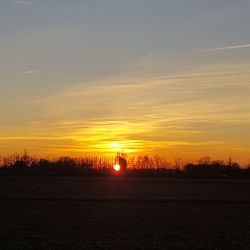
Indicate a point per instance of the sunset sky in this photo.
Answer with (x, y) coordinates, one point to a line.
(161, 77)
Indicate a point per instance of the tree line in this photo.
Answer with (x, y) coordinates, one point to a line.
(144, 166)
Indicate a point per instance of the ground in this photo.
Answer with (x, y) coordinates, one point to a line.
(120, 213)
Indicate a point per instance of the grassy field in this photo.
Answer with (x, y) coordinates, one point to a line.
(117, 213)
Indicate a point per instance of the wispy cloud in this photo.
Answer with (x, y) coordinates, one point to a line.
(28, 72)
(240, 46)
(184, 114)
(23, 2)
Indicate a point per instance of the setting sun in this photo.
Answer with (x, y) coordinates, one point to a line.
(125, 123)
(148, 99)
(117, 167)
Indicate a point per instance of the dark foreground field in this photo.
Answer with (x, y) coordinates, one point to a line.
(106, 213)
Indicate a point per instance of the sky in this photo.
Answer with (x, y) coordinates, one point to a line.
(160, 77)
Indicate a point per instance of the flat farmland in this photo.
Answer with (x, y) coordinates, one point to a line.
(123, 213)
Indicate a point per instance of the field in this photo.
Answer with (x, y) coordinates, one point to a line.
(120, 213)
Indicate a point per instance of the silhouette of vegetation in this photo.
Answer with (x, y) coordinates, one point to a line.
(120, 160)
(208, 168)
(140, 166)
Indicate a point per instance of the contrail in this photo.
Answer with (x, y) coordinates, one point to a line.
(23, 2)
(241, 46)
(28, 72)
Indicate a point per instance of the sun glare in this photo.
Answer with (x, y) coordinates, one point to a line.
(120, 146)
(115, 146)
(117, 167)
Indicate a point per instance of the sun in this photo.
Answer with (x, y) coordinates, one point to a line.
(117, 167)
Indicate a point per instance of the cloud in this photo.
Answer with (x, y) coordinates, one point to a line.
(200, 111)
(28, 72)
(240, 46)
(23, 2)
(210, 88)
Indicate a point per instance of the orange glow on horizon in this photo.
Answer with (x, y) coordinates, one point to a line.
(126, 146)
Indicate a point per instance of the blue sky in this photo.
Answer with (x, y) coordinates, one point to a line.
(177, 69)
